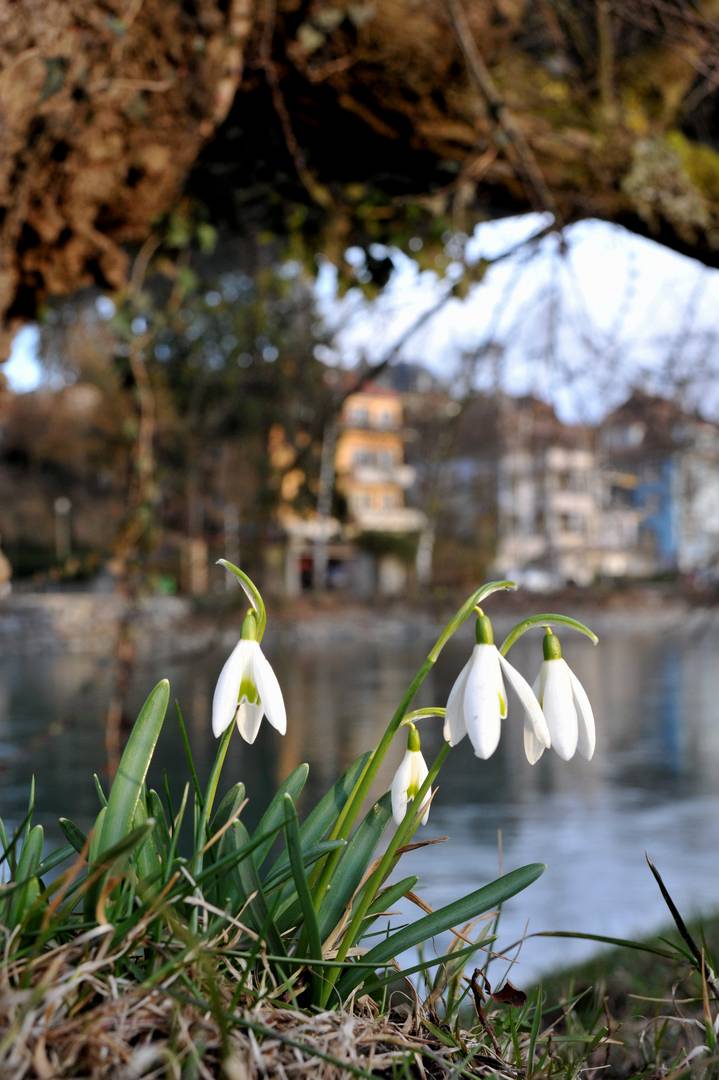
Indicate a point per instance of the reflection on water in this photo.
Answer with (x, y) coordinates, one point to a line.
(652, 787)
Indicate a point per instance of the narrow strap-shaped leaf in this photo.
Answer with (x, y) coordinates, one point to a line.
(353, 864)
(171, 850)
(30, 807)
(388, 897)
(55, 858)
(127, 844)
(156, 809)
(72, 833)
(456, 913)
(27, 867)
(250, 889)
(134, 763)
(311, 929)
(100, 790)
(147, 857)
(323, 814)
(309, 856)
(96, 835)
(184, 734)
(274, 815)
(228, 807)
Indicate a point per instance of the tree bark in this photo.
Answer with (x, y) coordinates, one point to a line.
(347, 122)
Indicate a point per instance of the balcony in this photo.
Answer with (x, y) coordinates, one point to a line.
(399, 519)
(401, 475)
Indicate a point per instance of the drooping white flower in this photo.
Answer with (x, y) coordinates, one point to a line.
(565, 705)
(478, 700)
(247, 689)
(408, 779)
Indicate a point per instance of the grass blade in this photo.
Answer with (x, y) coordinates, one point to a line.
(311, 928)
(72, 833)
(274, 815)
(353, 864)
(456, 913)
(132, 770)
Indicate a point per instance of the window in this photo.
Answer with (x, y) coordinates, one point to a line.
(358, 415)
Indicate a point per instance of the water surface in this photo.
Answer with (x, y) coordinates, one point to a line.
(653, 785)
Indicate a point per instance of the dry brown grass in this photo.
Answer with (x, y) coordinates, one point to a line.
(66, 1015)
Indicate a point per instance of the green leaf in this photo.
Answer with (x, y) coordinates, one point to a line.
(132, 770)
(311, 928)
(249, 890)
(622, 943)
(228, 807)
(100, 790)
(60, 855)
(188, 751)
(96, 835)
(283, 874)
(27, 867)
(389, 896)
(323, 815)
(274, 815)
(72, 834)
(177, 828)
(454, 914)
(126, 845)
(353, 864)
(147, 859)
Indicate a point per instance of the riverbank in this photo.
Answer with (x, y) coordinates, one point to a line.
(627, 1014)
(88, 623)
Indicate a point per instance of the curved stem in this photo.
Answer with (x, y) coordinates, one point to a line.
(423, 714)
(548, 619)
(252, 593)
(356, 798)
(374, 884)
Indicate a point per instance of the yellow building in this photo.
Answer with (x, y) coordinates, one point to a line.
(369, 463)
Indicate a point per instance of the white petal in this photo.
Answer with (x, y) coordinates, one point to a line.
(400, 784)
(249, 718)
(558, 704)
(454, 726)
(481, 701)
(529, 701)
(268, 688)
(533, 747)
(587, 734)
(419, 775)
(224, 701)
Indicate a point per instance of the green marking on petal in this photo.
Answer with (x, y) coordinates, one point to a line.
(248, 692)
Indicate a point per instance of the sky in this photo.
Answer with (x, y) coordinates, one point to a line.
(577, 323)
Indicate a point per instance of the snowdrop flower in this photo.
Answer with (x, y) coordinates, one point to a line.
(247, 689)
(478, 701)
(409, 778)
(565, 705)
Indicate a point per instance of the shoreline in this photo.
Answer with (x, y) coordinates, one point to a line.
(87, 623)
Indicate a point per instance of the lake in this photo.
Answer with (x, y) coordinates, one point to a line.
(652, 787)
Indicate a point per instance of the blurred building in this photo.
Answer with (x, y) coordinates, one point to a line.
(661, 469)
(372, 543)
(548, 497)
